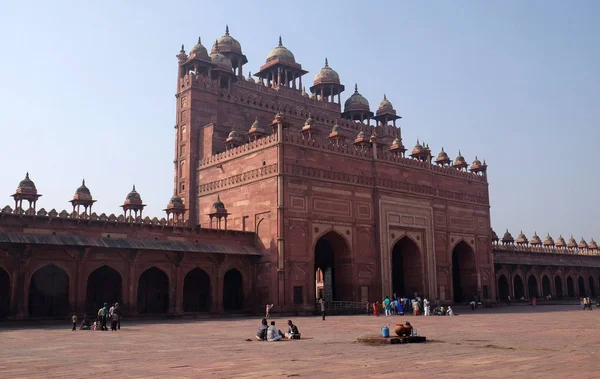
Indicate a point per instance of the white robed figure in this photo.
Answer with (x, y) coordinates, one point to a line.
(426, 306)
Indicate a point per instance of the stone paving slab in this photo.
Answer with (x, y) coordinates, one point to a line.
(513, 342)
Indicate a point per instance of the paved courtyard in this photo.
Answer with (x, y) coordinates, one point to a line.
(519, 341)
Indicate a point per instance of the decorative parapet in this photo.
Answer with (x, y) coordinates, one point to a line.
(246, 148)
(238, 179)
(510, 248)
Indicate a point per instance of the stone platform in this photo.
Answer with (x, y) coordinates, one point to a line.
(392, 340)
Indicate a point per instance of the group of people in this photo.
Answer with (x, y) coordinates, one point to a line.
(271, 333)
(403, 305)
(104, 315)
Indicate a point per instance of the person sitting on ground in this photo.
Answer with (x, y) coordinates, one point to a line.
(261, 335)
(450, 311)
(273, 334)
(293, 333)
(472, 304)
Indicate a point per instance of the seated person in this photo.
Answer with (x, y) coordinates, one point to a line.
(292, 331)
(273, 334)
(450, 311)
(261, 335)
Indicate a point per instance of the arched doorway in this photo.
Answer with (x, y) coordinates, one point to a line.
(49, 292)
(332, 256)
(4, 293)
(546, 287)
(519, 287)
(592, 286)
(104, 284)
(503, 289)
(558, 287)
(570, 288)
(581, 287)
(153, 291)
(233, 291)
(407, 269)
(196, 291)
(464, 272)
(532, 286)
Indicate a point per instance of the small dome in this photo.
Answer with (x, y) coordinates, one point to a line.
(560, 242)
(327, 75)
(418, 149)
(82, 193)
(250, 79)
(494, 236)
(309, 121)
(356, 101)
(521, 239)
(221, 61)
(460, 161)
(548, 241)
(336, 128)
(281, 53)
(199, 50)
(234, 134)
(218, 205)
(361, 135)
(572, 243)
(26, 186)
(536, 240)
(385, 104)
(176, 202)
(256, 126)
(593, 245)
(442, 157)
(397, 141)
(582, 244)
(133, 195)
(507, 237)
(227, 42)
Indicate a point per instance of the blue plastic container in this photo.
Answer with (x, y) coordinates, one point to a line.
(385, 332)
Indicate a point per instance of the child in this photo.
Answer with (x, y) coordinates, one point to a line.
(113, 323)
(74, 321)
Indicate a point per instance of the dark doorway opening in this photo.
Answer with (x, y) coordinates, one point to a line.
(49, 292)
(503, 289)
(532, 286)
(233, 291)
(519, 287)
(4, 293)
(558, 287)
(546, 287)
(332, 257)
(570, 288)
(464, 273)
(407, 269)
(153, 291)
(581, 287)
(103, 285)
(592, 286)
(196, 291)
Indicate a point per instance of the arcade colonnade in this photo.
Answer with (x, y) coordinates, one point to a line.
(142, 282)
(520, 281)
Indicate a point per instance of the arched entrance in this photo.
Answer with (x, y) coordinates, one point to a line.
(592, 287)
(153, 291)
(581, 287)
(570, 288)
(4, 293)
(519, 287)
(104, 284)
(464, 272)
(332, 256)
(546, 287)
(558, 287)
(407, 269)
(49, 292)
(532, 287)
(503, 289)
(233, 291)
(196, 291)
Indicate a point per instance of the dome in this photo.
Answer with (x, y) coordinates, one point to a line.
(281, 53)
(582, 244)
(385, 104)
(218, 205)
(227, 42)
(494, 236)
(82, 193)
(476, 165)
(356, 101)
(460, 161)
(442, 157)
(336, 128)
(507, 237)
(256, 126)
(309, 121)
(593, 245)
(234, 134)
(560, 242)
(548, 241)
(176, 202)
(327, 75)
(250, 79)
(361, 135)
(418, 149)
(572, 243)
(221, 61)
(26, 186)
(521, 239)
(133, 196)
(535, 240)
(199, 50)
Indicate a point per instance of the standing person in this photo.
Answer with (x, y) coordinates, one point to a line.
(104, 316)
(376, 309)
(74, 321)
(118, 312)
(426, 306)
(268, 311)
(386, 304)
(322, 304)
(368, 308)
(113, 321)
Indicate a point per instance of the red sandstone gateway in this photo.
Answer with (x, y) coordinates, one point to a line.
(321, 203)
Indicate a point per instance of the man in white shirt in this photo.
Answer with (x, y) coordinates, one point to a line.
(273, 334)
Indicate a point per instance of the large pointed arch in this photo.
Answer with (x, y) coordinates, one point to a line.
(546, 286)
(334, 258)
(104, 285)
(196, 291)
(532, 286)
(519, 287)
(407, 268)
(570, 287)
(503, 288)
(464, 272)
(233, 290)
(4, 293)
(558, 287)
(49, 292)
(153, 291)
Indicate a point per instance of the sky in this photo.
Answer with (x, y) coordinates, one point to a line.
(87, 91)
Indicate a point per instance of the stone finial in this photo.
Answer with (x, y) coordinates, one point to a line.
(280, 42)
(226, 30)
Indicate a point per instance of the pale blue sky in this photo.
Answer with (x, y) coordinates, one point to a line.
(88, 91)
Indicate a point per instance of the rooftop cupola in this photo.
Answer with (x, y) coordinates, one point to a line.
(327, 85)
(281, 69)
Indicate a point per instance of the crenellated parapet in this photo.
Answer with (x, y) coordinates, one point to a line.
(547, 246)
